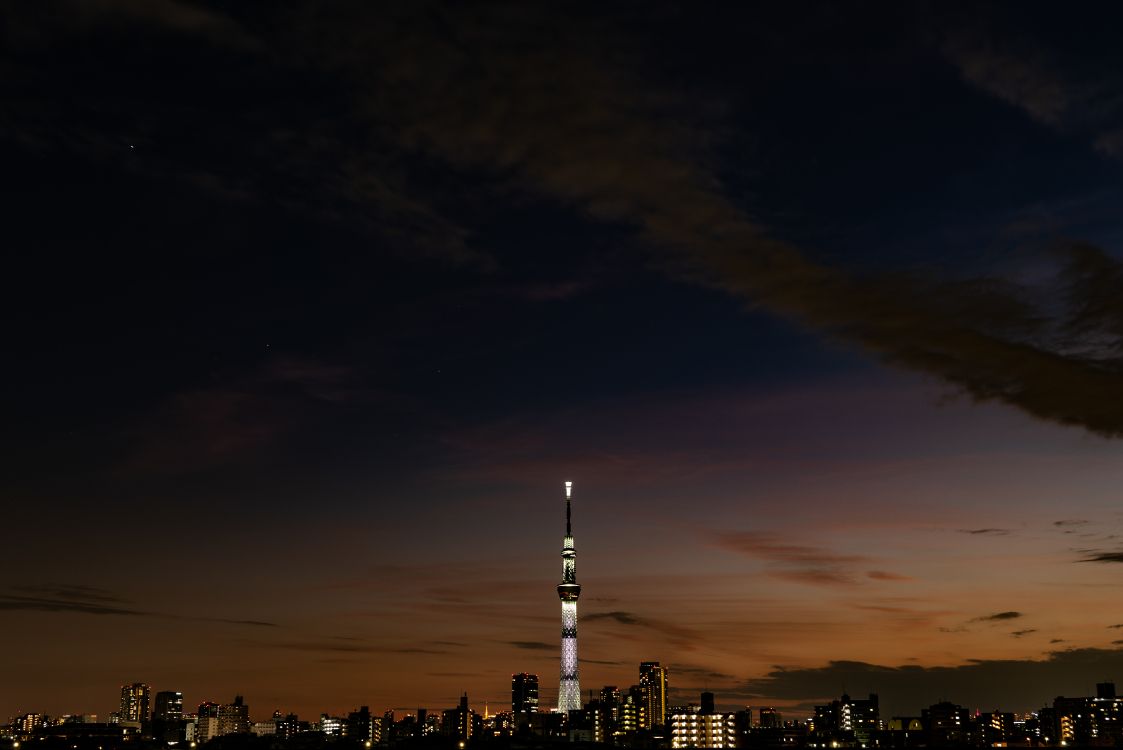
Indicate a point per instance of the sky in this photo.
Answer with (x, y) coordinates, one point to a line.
(312, 308)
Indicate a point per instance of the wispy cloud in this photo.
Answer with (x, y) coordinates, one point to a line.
(680, 636)
(91, 600)
(800, 563)
(11, 602)
(768, 547)
(884, 575)
(533, 645)
(624, 618)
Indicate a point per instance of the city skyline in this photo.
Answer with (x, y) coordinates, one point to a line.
(313, 305)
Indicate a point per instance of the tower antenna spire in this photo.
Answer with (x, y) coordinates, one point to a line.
(568, 512)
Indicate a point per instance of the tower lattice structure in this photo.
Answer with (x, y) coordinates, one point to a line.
(569, 692)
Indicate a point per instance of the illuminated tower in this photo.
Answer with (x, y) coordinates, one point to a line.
(569, 694)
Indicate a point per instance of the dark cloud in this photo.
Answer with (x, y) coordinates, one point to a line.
(815, 577)
(684, 638)
(1056, 85)
(59, 597)
(800, 563)
(208, 427)
(335, 646)
(884, 575)
(1020, 75)
(346, 648)
(1103, 557)
(559, 109)
(92, 600)
(768, 547)
(44, 604)
(1020, 684)
(1070, 522)
(1020, 633)
(254, 623)
(533, 645)
(987, 531)
(72, 592)
(693, 671)
(998, 617)
(624, 618)
(1057, 640)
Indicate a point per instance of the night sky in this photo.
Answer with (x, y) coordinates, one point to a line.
(311, 307)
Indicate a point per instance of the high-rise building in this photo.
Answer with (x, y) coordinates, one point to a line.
(703, 728)
(1088, 721)
(287, 724)
(524, 697)
(569, 691)
(862, 717)
(770, 718)
(848, 716)
(632, 714)
(609, 703)
(167, 717)
(457, 723)
(25, 724)
(134, 703)
(234, 718)
(948, 723)
(168, 706)
(653, 683)
(360, 725)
